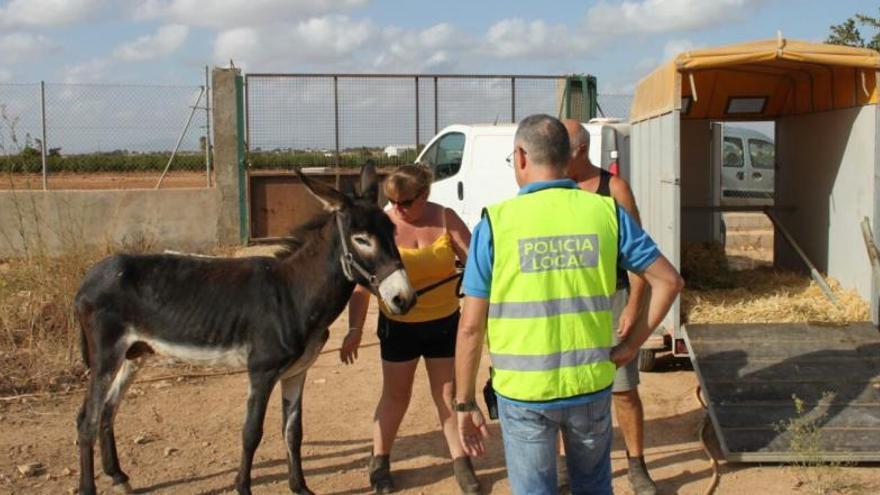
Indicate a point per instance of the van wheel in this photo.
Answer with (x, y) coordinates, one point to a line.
(647, 359)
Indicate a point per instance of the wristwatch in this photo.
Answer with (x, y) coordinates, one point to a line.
(466, 406)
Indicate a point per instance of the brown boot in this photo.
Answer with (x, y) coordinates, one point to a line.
(464, 474)
(637, 472)
(380, 474)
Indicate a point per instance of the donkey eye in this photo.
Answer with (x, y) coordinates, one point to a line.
(362, 240)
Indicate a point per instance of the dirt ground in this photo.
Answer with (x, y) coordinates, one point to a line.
(108, 180)
(188, 437)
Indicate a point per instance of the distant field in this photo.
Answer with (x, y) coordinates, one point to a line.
(102, 180)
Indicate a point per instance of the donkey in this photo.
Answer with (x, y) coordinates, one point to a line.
(270, 315)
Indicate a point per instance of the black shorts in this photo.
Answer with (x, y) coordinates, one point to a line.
(399, 341)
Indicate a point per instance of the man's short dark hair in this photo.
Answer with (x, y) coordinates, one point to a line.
(545, 139)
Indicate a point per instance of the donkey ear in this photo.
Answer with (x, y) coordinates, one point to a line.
(332, 199)
(369, 182)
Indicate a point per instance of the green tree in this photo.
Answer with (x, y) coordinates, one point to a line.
(847, 33)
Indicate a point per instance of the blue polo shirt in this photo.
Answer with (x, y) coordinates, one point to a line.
(636, 252)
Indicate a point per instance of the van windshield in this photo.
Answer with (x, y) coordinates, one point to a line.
(762, 153)
(733, 152)
(444, 156)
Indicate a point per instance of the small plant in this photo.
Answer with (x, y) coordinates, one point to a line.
(811, 471)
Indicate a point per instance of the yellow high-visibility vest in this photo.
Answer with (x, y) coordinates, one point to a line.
(553, 274)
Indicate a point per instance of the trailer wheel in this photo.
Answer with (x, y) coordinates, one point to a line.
(647, 359)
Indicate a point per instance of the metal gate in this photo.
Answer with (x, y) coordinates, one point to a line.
(326, 124)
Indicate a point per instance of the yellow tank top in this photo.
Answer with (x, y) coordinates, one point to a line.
(426, 266)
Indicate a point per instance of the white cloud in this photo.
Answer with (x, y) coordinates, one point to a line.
(232, 13)
(5, 76)
(439, 48)
(323, 41)
(37, 13)
(18, 47)
(673, 47)
(92, 71)
(165, 42)
(664, 16)
(517, 38)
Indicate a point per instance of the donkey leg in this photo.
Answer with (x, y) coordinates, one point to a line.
(291, 404)
(260, 387)
(109, 457)
(103, 369)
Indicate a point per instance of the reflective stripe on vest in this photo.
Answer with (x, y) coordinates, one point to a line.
(553, 274)
(552, 307)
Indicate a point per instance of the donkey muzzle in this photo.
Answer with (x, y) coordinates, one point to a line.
(397, 293)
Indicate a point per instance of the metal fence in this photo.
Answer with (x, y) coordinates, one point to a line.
(332, 119)
(614, 105)
(103, 127)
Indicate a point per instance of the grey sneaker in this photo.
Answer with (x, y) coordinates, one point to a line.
(465, 476)
(638, 476)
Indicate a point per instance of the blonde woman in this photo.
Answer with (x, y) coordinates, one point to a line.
(430, 238)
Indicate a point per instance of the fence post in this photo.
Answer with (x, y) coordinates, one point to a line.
(513, 100)
(207, 128)
(417, 114)
(336, 121)
(436, 129)
(229, 160)
(43, 125)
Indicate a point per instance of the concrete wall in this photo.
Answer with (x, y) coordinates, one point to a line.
(55, 222)
(828, 171)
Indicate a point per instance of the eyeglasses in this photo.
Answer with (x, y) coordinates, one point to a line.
(509, 158)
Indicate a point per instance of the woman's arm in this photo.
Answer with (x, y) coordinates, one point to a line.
(357, 314)
(458, 231)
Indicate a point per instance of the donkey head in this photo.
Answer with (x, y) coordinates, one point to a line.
(368, 254)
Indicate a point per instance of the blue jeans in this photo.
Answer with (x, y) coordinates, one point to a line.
(530, 447)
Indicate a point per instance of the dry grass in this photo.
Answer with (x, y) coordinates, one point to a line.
(765, 295)
(39, 339)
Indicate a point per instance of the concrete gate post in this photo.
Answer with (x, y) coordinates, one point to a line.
(228, 106)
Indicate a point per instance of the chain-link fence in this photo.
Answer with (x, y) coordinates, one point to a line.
(103, 128)
(340, 120)
(614, 106)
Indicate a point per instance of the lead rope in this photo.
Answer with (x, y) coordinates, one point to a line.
(701, 431)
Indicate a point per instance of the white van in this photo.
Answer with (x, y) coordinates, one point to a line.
(748, 166)
(471, 170)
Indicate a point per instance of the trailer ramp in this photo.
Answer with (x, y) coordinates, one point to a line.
(754, 377)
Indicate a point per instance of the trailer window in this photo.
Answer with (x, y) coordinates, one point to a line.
(444, 156)
(733, 152)
(762, 153)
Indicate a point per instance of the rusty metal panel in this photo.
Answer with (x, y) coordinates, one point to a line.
(753, 376)
(280, 203)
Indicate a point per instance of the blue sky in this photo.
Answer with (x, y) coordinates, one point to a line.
(170, 41)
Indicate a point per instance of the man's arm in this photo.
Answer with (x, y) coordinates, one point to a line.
(665, 283)
(622, 193)
(468, 351)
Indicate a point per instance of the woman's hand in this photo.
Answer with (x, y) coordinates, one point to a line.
(348, 353)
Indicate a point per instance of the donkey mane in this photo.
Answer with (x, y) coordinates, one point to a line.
(300, 238)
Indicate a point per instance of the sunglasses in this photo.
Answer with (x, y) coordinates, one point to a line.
(405, 204)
